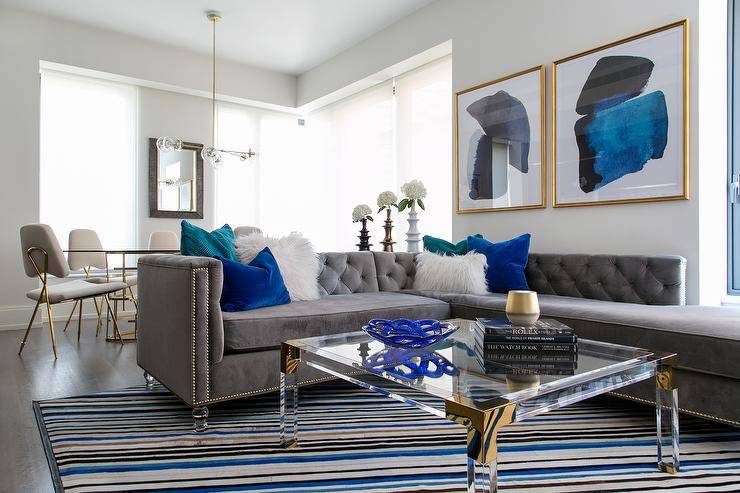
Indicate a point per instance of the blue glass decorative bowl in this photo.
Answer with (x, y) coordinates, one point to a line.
(410, 364)
(409, 334)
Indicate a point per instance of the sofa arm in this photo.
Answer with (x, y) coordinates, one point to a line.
(180, 329)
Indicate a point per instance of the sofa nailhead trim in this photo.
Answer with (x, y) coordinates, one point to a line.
(193, 274)
(681, 409)
(261, 391)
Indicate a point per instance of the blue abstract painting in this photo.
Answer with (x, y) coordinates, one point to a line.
(622, 129)
(504, 142)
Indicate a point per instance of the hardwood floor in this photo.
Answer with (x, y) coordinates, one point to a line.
(88, 366)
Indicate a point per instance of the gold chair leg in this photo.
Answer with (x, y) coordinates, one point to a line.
(71, 314)
(99, 310)
(115, 321)
(133, 299)
(51, 323)
(30, 323)
(79, 321)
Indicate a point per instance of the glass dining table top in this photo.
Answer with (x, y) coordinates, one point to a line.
(454, 369)
(121, 251)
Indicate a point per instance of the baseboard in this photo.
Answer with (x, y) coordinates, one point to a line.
(17, 317)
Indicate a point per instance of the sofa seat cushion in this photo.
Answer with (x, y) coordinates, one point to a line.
(706, 338)
(267, 327)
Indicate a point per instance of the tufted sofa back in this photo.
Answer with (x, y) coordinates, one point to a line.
(657, 280)
(626, 278)
(363, 272)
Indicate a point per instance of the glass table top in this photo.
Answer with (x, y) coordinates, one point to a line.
(456, 369)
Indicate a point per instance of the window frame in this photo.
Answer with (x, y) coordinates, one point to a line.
(733, 164)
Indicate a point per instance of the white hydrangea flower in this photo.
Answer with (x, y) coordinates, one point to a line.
(360, 211)
(414, 190)
(387, 199)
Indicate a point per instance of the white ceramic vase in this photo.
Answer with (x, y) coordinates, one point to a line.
(412, 236)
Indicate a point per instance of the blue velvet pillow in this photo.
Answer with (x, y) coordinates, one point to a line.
(197, 242)
(506, 262)
(258, 284)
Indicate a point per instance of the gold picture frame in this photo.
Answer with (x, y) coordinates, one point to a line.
(685, 99)
(543, 143)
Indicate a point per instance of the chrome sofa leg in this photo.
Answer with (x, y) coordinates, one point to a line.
(150, 382)
(200, 415)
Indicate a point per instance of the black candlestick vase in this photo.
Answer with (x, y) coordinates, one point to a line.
(364, 244)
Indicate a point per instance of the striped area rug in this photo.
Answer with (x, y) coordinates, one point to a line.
(356, 441)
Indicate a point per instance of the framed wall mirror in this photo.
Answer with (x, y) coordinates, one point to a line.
(176, 181)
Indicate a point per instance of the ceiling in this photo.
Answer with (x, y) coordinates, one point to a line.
(289, 36)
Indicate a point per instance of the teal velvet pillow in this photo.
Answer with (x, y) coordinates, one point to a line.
(258, 284)
(444, 247)
(197, 242)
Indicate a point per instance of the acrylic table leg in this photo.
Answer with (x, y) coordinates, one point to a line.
(666, 414)
(482, 477)
(289, 396)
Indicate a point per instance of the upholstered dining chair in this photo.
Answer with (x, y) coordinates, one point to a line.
(87, 239)
(164, 240)
(245, 230)
(42, 256)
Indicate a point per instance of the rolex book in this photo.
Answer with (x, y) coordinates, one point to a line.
(501, 330)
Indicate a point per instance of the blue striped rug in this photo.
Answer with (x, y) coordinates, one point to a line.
(356, 441)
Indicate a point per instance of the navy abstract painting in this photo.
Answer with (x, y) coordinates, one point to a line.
(499, 144)
(622, 128)
(505, 125)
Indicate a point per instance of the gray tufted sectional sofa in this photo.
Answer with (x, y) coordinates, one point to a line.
(206, 356)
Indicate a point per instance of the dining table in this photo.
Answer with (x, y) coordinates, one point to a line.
(127, 335)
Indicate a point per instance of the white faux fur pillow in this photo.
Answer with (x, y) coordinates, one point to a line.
(465, 274)
(299, 264)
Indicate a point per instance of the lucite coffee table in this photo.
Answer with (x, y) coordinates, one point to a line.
(451, 381)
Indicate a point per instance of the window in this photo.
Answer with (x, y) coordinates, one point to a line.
(733, 151)
(262, 190)
(309, 178)
(88, 157)
(377, 140)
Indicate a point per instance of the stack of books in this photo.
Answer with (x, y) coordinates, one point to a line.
(547, 347)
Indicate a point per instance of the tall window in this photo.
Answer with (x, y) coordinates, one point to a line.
(733, 152)
(308, 177)
(262, 190)
(377, 140)
(87, 157)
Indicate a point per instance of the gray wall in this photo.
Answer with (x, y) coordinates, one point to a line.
(491, 39)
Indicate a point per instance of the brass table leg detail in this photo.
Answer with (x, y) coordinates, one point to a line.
(115, 321)
(483, 428)
(666, 414)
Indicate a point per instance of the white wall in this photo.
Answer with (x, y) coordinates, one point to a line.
(187, 117)
(491, 39)
(25, 40)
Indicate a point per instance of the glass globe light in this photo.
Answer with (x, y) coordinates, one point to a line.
(167, 144)
(211, 154)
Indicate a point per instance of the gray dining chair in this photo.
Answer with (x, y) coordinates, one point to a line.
(245, 230)
(42, 256)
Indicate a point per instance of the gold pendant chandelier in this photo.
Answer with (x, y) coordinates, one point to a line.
(210, 153)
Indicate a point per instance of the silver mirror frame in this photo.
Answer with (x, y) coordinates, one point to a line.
(153, 178)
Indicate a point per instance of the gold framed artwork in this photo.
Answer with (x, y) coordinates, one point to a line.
(500, 153)
(620, 121)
